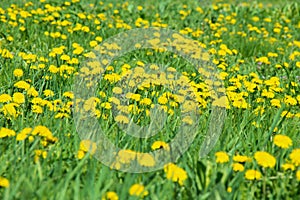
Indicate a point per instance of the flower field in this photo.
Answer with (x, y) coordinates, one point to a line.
(149, 99)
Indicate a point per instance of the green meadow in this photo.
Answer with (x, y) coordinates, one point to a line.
(201, 99)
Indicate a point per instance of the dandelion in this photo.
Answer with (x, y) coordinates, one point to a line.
(265, 159)
(80, 154)
(53, 69)
(298, 175)
(188, 120)
(117, 90)
(23, 134)
(146, 101)
(241, 159)
(22, 85)
(110, 196)
(48, 93)
(295, 157)
(93, 43)
(68, 94)
(229, 189)
(252, 174)
(282, 141)
(162, 100)
(18, 73)
(38, 154)
(237, 167)
(4, 182)
(5, 132)
(159, 145)
(18, 98)
(86, 146)
(175, 173)
(9, 110)
(125, 156)
(37, 109)
(288, 166)
(5, 98)
(122, 119)
(138, 190)
(145, 159)
(42, 131)
(221, 157)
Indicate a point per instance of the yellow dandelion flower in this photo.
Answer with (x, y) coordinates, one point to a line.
(32, 92)
(93, 43)
(37, 109)
(9, 110)
(145, 159)
(241, 159)
(238, 167)
(5, 132)
(175, 173)
(125, 156)
(117, 90)
(295, 156)
(88, 145)
(23, 134)
(18, 98)
(288, 166)
(4, 182)
(122, 119)
(159, 145)
(252, 174)
(48, 93)
(138, 190)
(5, 98)
(53, 69)
(221, 157)
(18, 73)
(80, 154)
(162, 100)
(110, 196)
(298, 175)
(146, 101)
(68, 94)
(41, 131)
(265, 159)
(188, 120)
(282, 141)
(229, 189)
(22, 85)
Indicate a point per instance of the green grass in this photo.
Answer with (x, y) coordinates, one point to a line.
(62, 175)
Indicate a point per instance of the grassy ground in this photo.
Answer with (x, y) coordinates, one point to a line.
(255, 50)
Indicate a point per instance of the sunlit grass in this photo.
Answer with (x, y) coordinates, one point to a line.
(254, 46)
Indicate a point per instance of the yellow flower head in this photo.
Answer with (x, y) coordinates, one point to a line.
(252, 174)
(160, 144)
(283, 141)
(295, 156)
(298, 175)
(288, 166)
(138, 190)
(5, 98)
(241, 159)
(265, 159)
(4, 182)
(222, 157)
(22, 85)
(175, 173)
(110, 196)
(238, 167)
(18, 73)
(5, 132)
(18, 98)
